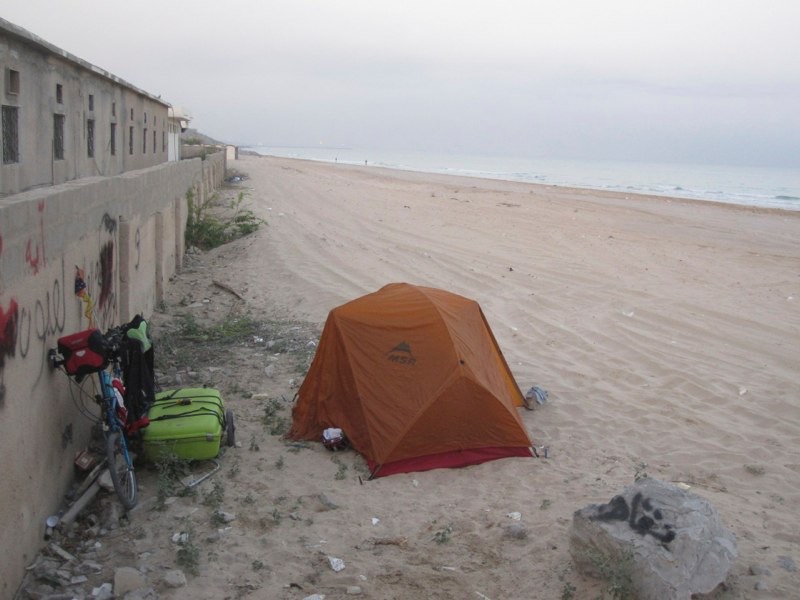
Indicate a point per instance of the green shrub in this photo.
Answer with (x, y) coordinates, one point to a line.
(442, 536)
(274, 421)
(171, 470)
(214, 496)
(188, 554)
(616, 571)
(232, 329)
(205, 230)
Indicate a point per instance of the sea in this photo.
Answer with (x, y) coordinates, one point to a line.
(750, 186)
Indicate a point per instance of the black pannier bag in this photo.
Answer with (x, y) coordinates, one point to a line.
(137, 356)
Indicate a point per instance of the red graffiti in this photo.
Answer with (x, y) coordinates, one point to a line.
(8, 331)
(106, 272)
(38, 259)
(33, 261)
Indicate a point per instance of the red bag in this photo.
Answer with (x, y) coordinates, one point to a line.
(83, 352)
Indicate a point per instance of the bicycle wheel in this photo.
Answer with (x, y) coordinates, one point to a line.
(121, 469)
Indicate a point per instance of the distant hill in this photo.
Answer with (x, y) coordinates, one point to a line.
(195, 138)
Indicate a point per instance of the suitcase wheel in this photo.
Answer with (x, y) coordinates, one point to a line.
(230, 429)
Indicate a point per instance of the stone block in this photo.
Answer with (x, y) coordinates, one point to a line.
(665, 542)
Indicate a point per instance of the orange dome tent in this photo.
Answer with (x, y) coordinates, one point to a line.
(416, 380)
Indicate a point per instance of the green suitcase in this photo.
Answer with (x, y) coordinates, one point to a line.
(187, 423)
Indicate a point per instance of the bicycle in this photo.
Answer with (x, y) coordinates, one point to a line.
(91, 352)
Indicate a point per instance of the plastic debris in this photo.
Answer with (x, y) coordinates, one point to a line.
(104, 592)
(180, 538)
(534, 396)
(337, 564)
(333, 438)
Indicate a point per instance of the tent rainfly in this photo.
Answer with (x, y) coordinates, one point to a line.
(414, 377)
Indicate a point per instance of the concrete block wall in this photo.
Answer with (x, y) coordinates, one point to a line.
(54, 82)
(198, 150)
(126, 234)
(214, 167)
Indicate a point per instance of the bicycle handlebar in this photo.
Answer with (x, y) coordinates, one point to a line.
(112, 340)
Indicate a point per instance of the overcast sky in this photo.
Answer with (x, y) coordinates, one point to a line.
(708, 81)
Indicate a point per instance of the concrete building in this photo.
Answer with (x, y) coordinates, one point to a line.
(178, 122)
(64, 118)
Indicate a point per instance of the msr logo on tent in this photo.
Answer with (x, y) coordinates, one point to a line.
(401, 354)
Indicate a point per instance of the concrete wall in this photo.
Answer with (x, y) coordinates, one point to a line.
(198, 150)
(214, 170)
(126, 233)
(52, 82)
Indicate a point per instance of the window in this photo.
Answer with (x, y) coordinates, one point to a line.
(10, 135)
(91, 101)
(130, 140)
(154, 142)
(163, 141)
(131, 114)
(113, 109)
(12, 84)
(90, 138)
(144, 141)
(113, 140)
(59, 93)
(145, 117)
(58, 137)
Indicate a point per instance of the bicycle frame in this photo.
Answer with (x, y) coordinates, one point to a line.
(122, 474)
(101, 357)
(110, 404)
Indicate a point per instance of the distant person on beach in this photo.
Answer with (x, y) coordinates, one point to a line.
(365, 163)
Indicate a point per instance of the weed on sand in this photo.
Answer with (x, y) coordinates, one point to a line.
(211, 223)
(275, 420)
(200, 344)
(171, 470)
(616, 571)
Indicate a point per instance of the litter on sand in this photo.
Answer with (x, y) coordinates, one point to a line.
(537, 395)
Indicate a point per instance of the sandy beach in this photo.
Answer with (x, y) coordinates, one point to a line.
(666, 331)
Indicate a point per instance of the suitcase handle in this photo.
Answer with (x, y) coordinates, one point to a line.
(202, 410)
